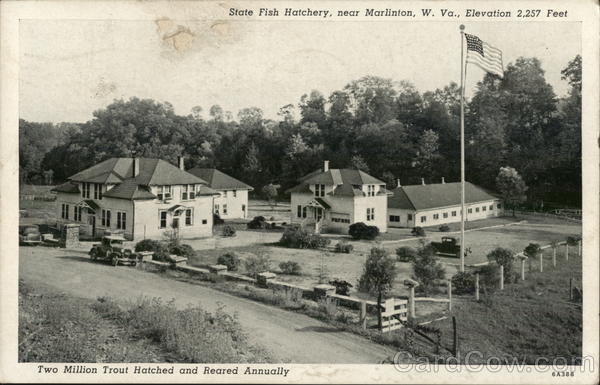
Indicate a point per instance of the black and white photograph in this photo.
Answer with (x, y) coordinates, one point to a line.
(220, 191)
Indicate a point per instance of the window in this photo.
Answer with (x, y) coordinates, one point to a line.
(184, 192)
(217, 208)
(470, 211)
(340, 220)
(299, 211)
(162, 219)
(192, 191)
(499, 206)
(304, 210)
(65, 211)
(234, 193)
(97, 191)
(164, 192)
(423, 219)
(436, 216)
(85, 189)
(476, 209)
(204, 221)
(445, 215)
(121, 220)
(491, 207)
(224, 209)
(409, 217)
(369, 214)
(484, 208)
(394, 218)
(319, 190)
(189, 218)
(454, 213)
(105, 218)
(77, 213)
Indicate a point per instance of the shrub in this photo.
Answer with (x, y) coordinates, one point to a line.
(503, 257)
(463, 283)
(572, 241)
(182, 250)
(299, 238)
(341, 287)
(418, 231)
(290, 267)
(360, 230)
(532, 250)
(427, 269)
(257, 264)
(147, 245)
(231, 260)
(405, 254)
(343, 247)
(258, 222)
(489, 277)
(217, 220)
(444, 228)
(228, 231)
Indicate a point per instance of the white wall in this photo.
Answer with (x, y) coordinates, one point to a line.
(379, 203)
(469, 216)
(403, 214)
(235, 204)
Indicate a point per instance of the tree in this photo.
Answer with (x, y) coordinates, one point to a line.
(270, 191)
(503, 257)
(511, 186)
(378, 276)
(252, 164)
(426, 268)
(358, 163)
(428, 152)
(216, 112)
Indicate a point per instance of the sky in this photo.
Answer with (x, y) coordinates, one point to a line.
(70, 68)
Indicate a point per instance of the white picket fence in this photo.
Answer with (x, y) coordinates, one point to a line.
(396, 312)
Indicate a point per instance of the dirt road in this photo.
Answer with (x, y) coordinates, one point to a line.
(290, 337)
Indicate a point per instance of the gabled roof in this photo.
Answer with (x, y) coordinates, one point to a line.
(346, 179)
(151, 172)
(129, 189)
(422, 197)
(219, 180)
(70, 188)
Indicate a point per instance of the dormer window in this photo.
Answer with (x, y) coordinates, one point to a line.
(85, 190)
(319, 190)
(184, 192)
(192, 189)
(371, 190)
(164, 192)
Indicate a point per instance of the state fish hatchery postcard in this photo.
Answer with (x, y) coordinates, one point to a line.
(299, 191)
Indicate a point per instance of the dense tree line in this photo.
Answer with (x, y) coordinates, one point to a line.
(387, 128)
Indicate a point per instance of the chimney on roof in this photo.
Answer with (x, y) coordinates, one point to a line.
(326, 166)
(398, 183)
(136, 164)
(443, 180)
(181, 163)
(423, 181)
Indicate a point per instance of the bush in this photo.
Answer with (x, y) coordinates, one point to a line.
(489, 277)
(405, 254)
(427, 269)
(217, 220)
(463, 283)
(182, 250)
(257, 264)
(341, 287)
(444, 228)
(147, 245)
(290, 267)
(231, 260)
(360, 230)
(572, 241)
(258, 222)
(532, 250)
(418, 231)
(228, 231)
(503, 257)
(343, 247)
(299, 238)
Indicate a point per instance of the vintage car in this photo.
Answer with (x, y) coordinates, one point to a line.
(111, 249)
(448, 247)
(29, 235)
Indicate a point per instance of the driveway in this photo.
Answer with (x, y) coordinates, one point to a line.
(291, 337)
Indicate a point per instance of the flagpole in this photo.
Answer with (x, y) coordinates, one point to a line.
(462, 151)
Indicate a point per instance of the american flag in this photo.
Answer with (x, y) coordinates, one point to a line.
(484, 56)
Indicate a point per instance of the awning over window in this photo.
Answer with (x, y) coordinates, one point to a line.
(89, 204)
(319, 202)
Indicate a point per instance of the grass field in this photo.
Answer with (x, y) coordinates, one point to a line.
(527, 320)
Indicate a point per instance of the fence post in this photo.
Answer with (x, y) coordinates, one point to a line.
(541, 261)
(411, 303)
(554, 256)
(449, 295)
(501, 277)
(571, 289)
(455, 342)
(567, 251)
(363, 314)
(579, 248)
(476, 286)
(523, 268)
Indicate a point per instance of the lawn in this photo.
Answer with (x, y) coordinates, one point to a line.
(527, 320)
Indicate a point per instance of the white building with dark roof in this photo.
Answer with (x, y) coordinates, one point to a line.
(437, 204)
(333, 199)
(139, 197)
(232, 203)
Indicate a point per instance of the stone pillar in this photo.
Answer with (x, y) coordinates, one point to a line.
(71, 234)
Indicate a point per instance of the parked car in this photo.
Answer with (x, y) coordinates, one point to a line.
(29, 235)
(448, 247)
(111, 249)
